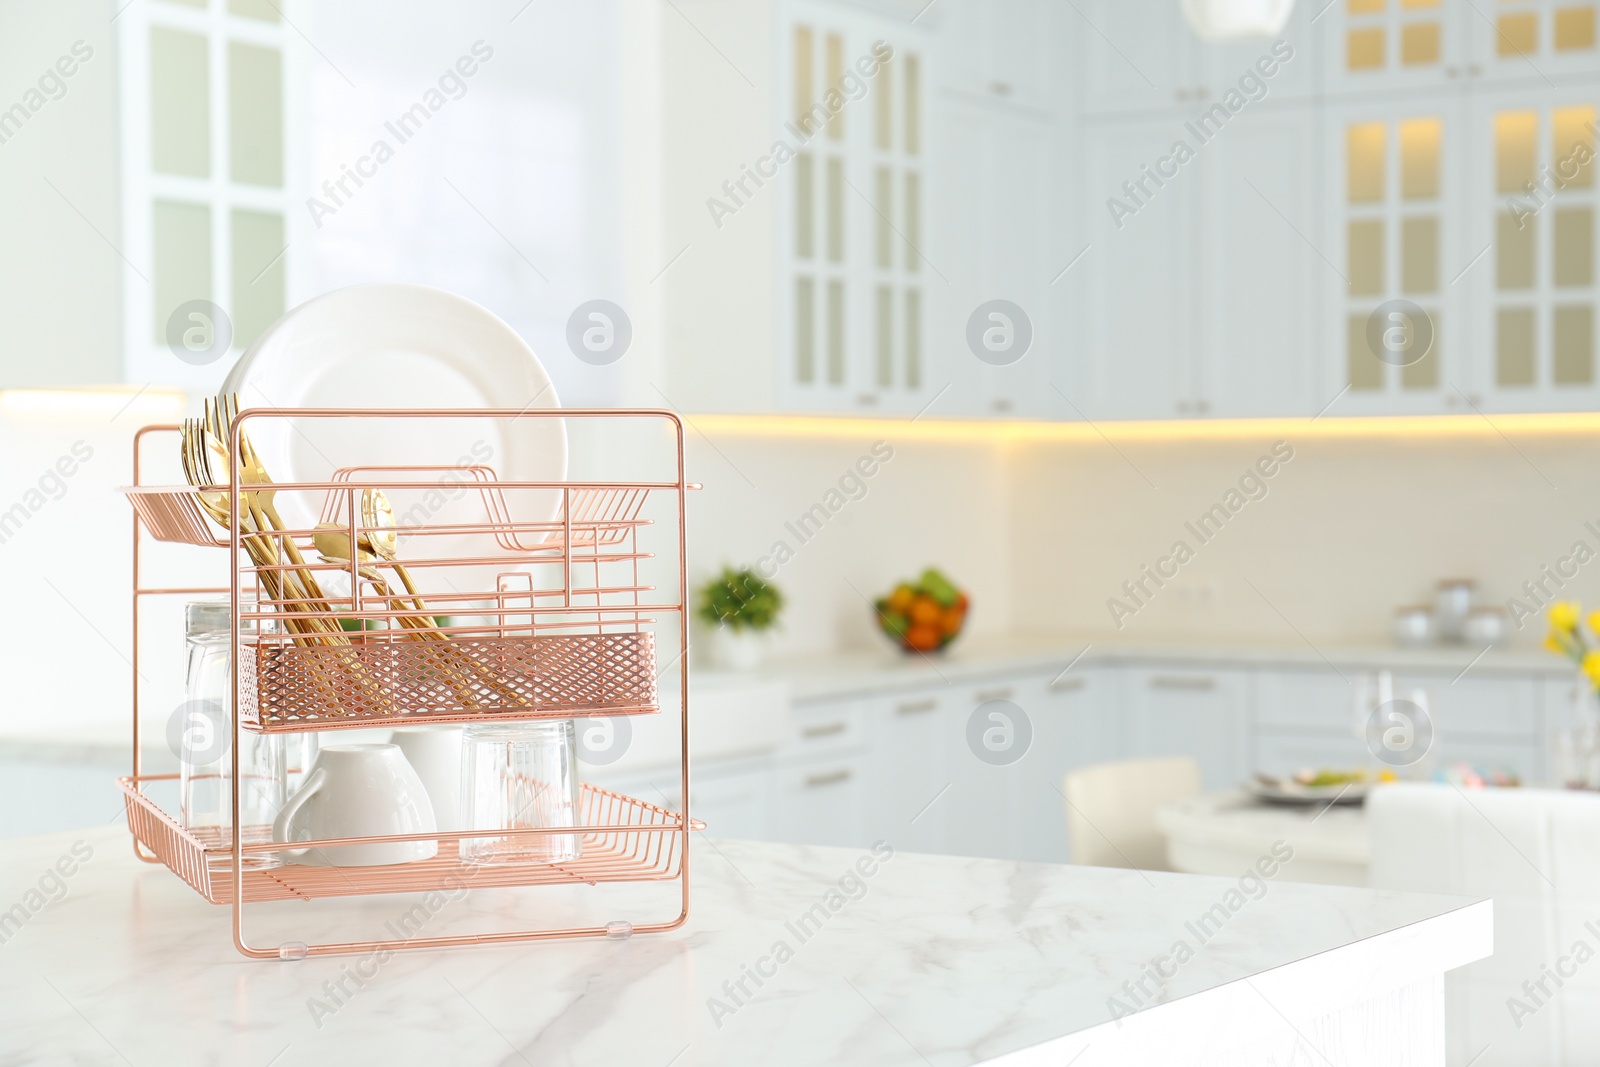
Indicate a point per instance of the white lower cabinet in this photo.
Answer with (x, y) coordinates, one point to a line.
(908, 794)
(1189, 711)
(821, 802)
(1076, 721)
(1282, 752)
(975, 768)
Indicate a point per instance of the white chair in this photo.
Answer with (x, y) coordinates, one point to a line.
(1537, 853)
(1111, 810)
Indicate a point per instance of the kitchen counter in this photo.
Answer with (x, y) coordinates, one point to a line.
(881, 668)
(792, 955)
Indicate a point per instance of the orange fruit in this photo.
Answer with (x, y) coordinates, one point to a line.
(926, 611)
(922, 637)
(900, 600)
(950, 624)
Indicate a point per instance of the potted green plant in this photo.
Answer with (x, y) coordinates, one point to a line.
(740, 610)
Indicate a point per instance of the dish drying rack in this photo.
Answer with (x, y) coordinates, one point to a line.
(568, 631)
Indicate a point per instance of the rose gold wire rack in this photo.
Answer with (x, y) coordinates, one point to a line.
(568, 629)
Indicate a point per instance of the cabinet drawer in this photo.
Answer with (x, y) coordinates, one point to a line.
(821, 802)
(1324, 701)
(1315, 699)
(832, 726)
(1507, 706)
(1283, 753)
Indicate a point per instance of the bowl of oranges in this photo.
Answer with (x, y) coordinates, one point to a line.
(924, 615)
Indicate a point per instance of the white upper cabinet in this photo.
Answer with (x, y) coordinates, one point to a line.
(1534, 41)
(1398, 235)
(1258, 317)
(1140, 55)
(1199, 288)
(1534, 208)
(795, 196)
(1002, 51)
(1139, 332)
(1134, 55)
(1378, 46)
(1280, 70)
(997, 199)
(1385, 208)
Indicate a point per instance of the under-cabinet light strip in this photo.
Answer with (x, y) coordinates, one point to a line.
(1000, 430)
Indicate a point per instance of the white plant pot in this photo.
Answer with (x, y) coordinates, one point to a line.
(739, 650)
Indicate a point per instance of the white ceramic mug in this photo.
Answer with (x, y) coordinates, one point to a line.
(434, 752)
(357, 791)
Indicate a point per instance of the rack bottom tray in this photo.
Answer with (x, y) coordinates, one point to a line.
(629, 841)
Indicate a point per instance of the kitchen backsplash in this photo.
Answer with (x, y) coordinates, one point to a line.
(1044, 536)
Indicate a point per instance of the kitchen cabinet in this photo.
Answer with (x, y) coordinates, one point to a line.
(1373, 47)
(1137, 59)
(908, 794)
(1198, 712)
(1258, 320)
(1003, 52)
(1129, 61)
(988, 743)
(731, 797)
(1076, 722)
(1138, 329)
(1534, 42)
(1283, 752)
(1395, 228)
(798, 209)
(901, 764)
(1533, 207)
(821, 802)
(1201, 278)
(996, 197)
(1377, 47)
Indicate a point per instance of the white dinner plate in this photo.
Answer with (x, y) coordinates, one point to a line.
(405, 346)
(1287, 791)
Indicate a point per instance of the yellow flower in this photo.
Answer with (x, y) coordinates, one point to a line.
(1553, 643)
(1564, 615)
(1591, 667)
(1594, 621)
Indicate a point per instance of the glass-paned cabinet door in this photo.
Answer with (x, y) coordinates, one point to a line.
(851, 272)
(1394, 196)
(1534, 294)
(1536, 40)
(1387, 44)
(203, 179)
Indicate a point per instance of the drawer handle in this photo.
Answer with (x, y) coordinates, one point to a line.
(827, 778)
(916, 707)
(1178, 681)
(1066, 685)
(1001, 693)
(827, 729)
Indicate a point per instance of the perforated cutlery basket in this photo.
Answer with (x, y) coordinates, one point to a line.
(512, 601)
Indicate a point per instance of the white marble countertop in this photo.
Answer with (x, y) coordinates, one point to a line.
(915, 960)
(880, 667)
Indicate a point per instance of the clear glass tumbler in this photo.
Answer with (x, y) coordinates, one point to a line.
(519, 776)
(202, 734)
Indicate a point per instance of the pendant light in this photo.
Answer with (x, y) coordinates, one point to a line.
(1232, 20)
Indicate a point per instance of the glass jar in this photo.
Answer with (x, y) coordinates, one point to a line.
(204, 735)
(519, 776)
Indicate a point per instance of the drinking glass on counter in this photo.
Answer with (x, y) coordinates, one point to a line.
(519, 776)
(203, 735)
